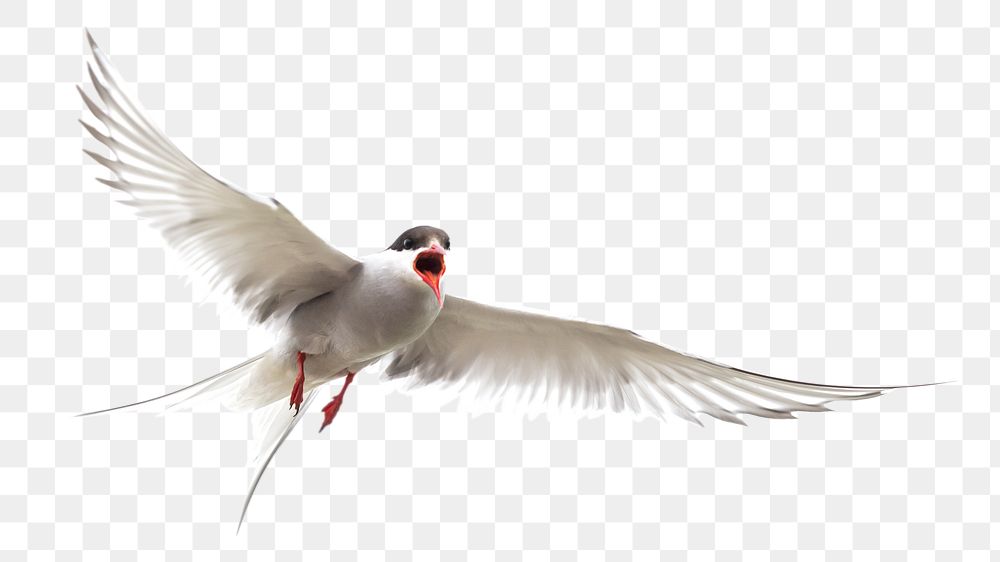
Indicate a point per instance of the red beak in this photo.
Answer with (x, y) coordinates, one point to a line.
(429, 265)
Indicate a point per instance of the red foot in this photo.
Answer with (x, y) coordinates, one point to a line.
(331, 409)
(299, 386)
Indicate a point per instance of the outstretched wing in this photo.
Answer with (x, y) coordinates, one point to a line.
(508, 354)
(247, 247)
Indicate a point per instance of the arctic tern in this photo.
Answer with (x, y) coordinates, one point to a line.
(333, 315)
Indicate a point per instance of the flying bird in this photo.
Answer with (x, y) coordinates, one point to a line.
(333, 315)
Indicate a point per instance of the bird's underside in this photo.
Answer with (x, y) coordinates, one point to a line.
(257, 254)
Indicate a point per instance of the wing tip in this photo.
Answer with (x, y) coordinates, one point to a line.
(102, 160)
(93, 76)
(935, 383)
(84, 95)
(90, 38)
(877, 391)
(97, 135)
(95, 48)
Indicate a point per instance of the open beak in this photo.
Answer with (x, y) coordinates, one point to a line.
(429, 265)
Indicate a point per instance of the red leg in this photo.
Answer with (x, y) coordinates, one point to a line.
(331, 409)
(299, 386)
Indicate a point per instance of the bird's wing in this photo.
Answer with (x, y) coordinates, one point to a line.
(528, 357)
(248, 247)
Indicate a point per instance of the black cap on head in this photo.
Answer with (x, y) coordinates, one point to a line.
(421, 237)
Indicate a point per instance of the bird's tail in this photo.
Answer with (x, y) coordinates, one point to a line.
(214, 388)
(271, 422)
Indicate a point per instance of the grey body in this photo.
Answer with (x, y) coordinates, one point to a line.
(380, 307)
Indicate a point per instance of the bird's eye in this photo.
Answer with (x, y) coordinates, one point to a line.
(408, 244)
(447, 244)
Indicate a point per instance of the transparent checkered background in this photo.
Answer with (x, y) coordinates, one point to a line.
(800, 191)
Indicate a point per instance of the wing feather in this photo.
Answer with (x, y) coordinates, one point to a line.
(532, 358)
(249, 248)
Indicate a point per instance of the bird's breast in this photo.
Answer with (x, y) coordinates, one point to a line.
(397, 313)
(366, 319)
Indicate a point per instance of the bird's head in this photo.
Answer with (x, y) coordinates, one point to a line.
(425, 247)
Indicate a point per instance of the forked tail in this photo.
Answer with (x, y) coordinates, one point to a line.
(206, 390)
(271, 423)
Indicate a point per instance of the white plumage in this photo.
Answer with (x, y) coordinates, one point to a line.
(335, 315)
(224, 233)
(500, 352)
